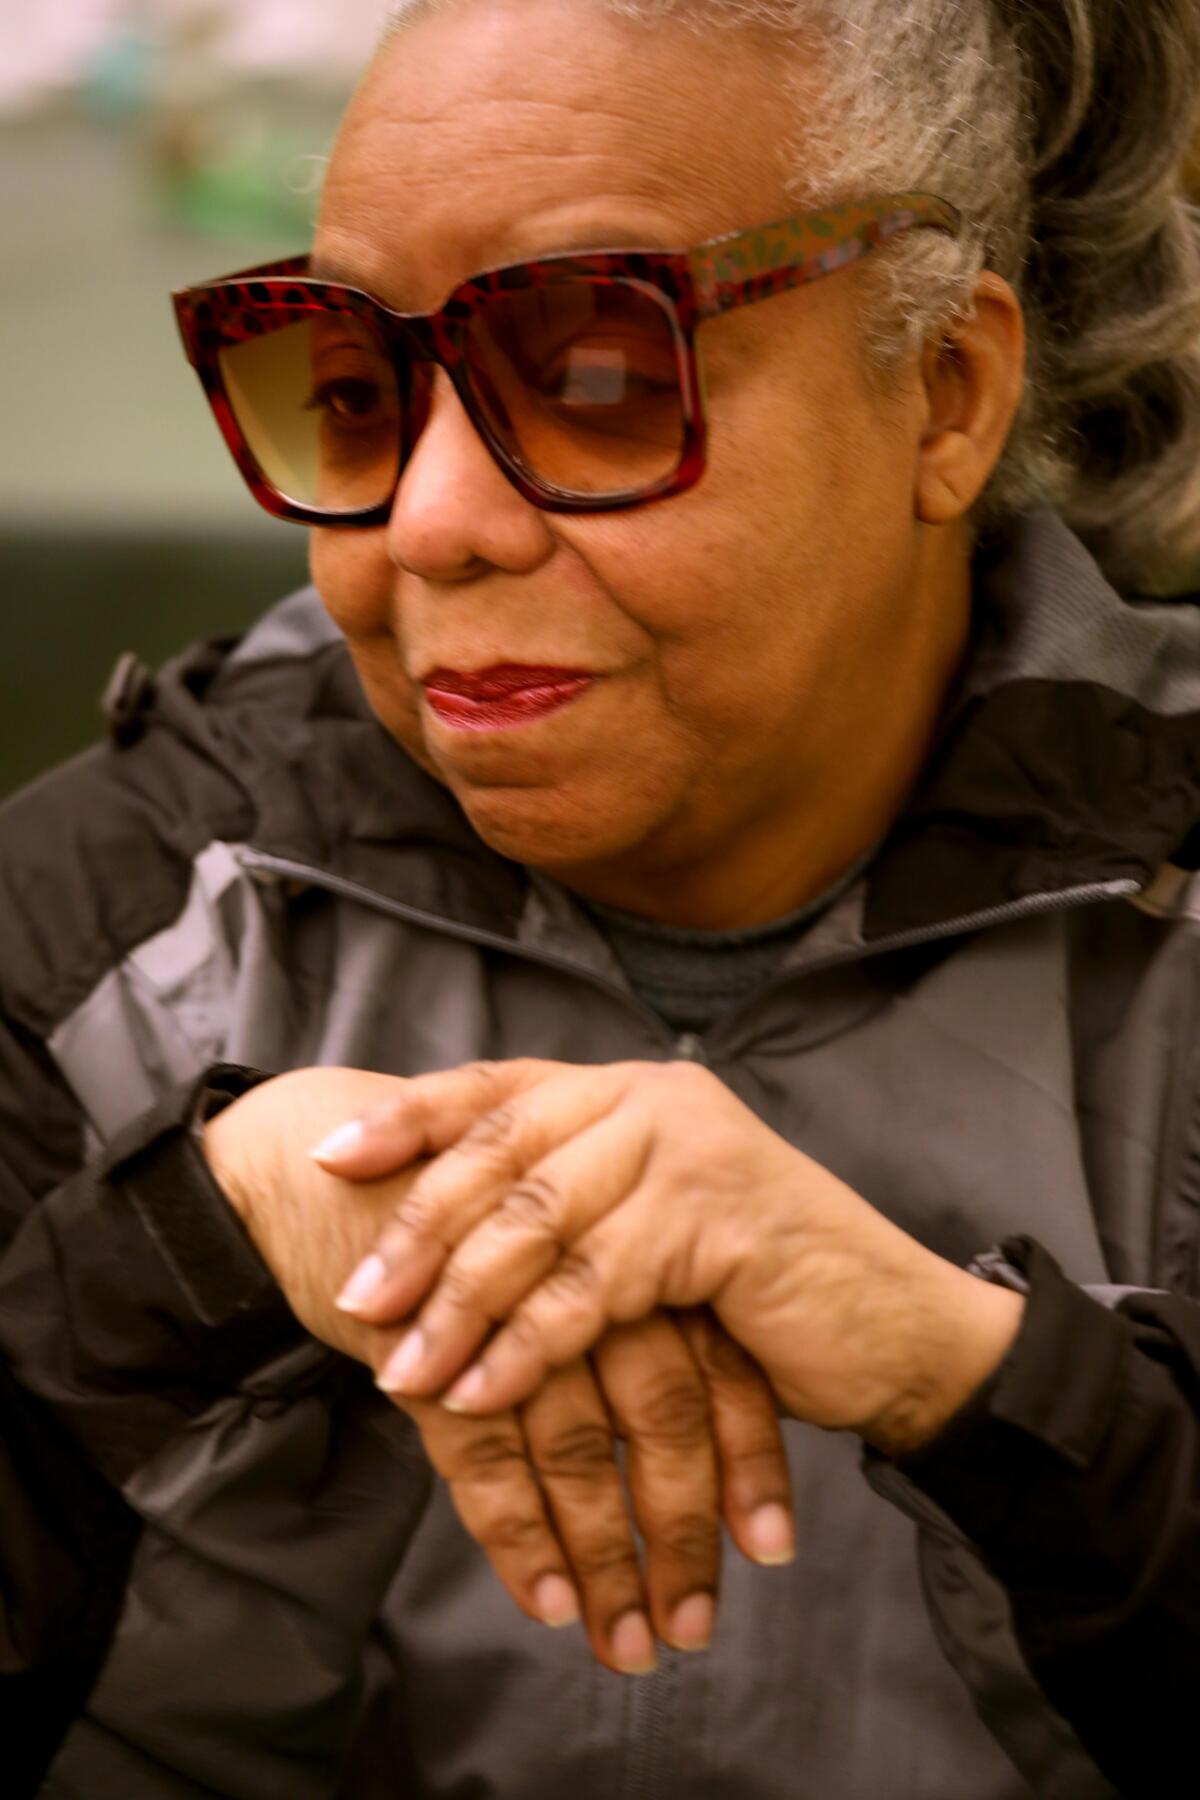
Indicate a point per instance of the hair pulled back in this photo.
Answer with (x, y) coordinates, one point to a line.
(1112, 275)
(1059, 128)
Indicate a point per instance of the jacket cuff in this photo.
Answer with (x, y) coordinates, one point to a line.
(1077, 1475)
(160, 1165)
(132, 1298)
(1049, 1406)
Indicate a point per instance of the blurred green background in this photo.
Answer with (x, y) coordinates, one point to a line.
(143, 147)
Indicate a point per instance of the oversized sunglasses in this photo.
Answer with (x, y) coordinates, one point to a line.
(580, 372)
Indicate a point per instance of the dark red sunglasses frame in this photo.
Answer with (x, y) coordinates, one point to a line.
(690, 285)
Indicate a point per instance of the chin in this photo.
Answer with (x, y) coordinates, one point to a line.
(548, 829)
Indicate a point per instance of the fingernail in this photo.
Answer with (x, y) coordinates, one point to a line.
(555, 1600)
(400, 1367)
(467, 1390)
(340, 1142)
(369, 1275)
(692, 1622)
(772, 1535)
(633, 1645)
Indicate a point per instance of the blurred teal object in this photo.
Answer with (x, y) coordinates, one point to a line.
(119, 80)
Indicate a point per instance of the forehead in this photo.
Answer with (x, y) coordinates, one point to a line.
(497, 130)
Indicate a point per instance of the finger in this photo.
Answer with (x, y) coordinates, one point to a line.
(660, 1402)
(468, 1181)
(475, 1154)
(643, 1255)
(570, 1437)
(563, 1318)
(756, 1489)
(423, 1117)
(496, 1495)
(515, 1246)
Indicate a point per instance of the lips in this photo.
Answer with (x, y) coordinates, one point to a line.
(503, 697)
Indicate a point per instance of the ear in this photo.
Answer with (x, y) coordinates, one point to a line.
(973, 378)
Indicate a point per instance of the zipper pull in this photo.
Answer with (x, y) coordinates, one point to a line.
(690, 1048)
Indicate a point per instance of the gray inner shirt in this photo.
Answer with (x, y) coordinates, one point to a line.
(691, 978)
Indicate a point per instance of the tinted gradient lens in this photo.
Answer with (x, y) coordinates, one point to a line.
(582, 383)
(317, 401)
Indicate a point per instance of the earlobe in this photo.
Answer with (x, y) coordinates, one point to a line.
(948, 481)
(973, 383)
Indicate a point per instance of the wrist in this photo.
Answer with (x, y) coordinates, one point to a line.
(965, 1328)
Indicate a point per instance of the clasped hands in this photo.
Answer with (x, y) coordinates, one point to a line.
(535, 1258)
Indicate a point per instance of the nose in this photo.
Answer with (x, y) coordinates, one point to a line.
(455, 512)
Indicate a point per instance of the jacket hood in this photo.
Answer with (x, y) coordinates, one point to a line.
(1070, 755)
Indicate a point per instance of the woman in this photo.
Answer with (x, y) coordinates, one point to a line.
(715, 658)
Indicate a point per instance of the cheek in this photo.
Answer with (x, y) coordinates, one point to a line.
(354, 577)
(776, 579)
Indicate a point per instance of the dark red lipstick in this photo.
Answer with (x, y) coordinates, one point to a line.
(500, 698)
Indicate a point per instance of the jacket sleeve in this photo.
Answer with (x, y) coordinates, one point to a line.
(130, 1296)
(1076, 1472)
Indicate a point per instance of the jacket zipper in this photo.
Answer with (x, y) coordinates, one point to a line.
(649, 1736)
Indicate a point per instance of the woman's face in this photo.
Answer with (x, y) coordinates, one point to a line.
(769, 650)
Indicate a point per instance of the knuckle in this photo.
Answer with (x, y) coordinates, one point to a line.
(691, 1538)
(495, 1131)
(491, 1455)
(575, 1279)
(535, 1204)
(605, 1555)
(511, 1531)
(462, 1289)
(763, 1455)
(525, 1334)
(582, 1452)
(484, 1073)
(690, 1077)
(673, 1411)
(418, 1212)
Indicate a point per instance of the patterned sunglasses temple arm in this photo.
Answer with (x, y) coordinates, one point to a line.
(751, 265)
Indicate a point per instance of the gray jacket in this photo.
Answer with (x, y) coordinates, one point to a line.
(992, 1032)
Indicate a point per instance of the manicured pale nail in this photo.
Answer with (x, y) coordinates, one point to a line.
(340, 1142)
(467, 1390)
(366, 1279)
(692, 1622)
(555, 1600)
(400, 1367)
(772, 1535)
(633, 1645)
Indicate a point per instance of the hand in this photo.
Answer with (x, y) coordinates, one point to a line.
(538, 1487)
(703, 1440)
(563, 1199)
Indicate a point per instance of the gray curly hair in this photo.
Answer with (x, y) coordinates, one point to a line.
(1059, 128)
